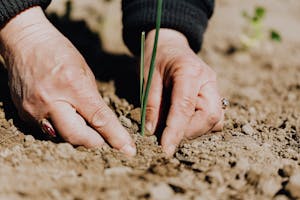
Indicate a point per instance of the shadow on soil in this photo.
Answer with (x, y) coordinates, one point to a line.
(106, 67)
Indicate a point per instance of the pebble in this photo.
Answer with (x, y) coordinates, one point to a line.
(29, 139)
(270, 187)
(293, 185)
(117, 171)
(125, 121)
(248, 130)
(292, 97)
(280, 197)
(252, 111)
(65, 150)
(2, 115)
(161, 191)
(216, 176)
(106, 100)
(135, 115)
(48, 157)
(287, 170)
(253, 177)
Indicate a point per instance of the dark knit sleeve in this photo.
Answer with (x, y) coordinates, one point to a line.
(190, 17)
(11, 8)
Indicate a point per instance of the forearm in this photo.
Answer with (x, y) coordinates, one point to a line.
(189, 17)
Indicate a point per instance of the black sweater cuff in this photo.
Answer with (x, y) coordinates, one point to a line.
(11, 8)
(189, 17)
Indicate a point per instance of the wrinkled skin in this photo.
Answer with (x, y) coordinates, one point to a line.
(49, 79)
(195, 104)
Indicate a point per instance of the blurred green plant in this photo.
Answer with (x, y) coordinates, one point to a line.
(145, 93)
(254, 32)
(275, 36)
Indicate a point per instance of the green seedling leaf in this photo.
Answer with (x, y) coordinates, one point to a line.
(259, 13)
(152, 66)
(142, 68)
(275, 36)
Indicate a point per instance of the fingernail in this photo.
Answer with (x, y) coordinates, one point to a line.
(47, 128)
(170, 150)
(128, 150)
(149, 127)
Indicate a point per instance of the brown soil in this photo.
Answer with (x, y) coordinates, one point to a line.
(257, 156)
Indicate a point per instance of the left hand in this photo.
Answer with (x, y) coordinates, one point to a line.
(195, 103)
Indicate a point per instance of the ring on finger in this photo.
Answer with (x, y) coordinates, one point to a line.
(225, 103)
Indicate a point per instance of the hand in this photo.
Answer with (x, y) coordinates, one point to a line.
(49, 79)
(195, 104)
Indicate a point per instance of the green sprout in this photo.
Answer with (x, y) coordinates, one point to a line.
(275, 36)
(142, 67)
(145, 93)
(254, 34)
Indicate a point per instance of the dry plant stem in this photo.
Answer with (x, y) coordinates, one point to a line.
(152, 65)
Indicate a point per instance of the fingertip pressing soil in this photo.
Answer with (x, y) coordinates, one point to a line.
(257, 156)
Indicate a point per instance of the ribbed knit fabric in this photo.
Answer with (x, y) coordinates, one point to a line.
(190, 17)
(11, 8)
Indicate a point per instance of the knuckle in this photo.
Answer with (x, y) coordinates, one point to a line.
(67, 75)
(73, 138)
(26, 106)
(151, 109)
(187, 105)
(101, 118)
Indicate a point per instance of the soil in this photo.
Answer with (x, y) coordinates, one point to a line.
(257, 156)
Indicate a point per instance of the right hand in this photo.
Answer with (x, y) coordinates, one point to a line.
(49, 79)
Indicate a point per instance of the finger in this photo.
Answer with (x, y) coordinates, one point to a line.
(101, 118)
(72, 127)
(209, 112)
(183, 102)
(154, 103)
(220, 125)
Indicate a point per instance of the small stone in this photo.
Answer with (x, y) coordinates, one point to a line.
(135, 115)
(292, 97)
(65, 150)
(287, 170)
(270, 186)
(38, 152)
(106, 100)
(48, 157)
(216, 177)
(293, 185)
(13, 130)
(2, 115)
(117, 171)
(252, 111)
(242, 58)
(253, 177)
(252, 94)
(161, 191)
(248, 130)
(29, 139)
(280, 197)
(125, 121)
